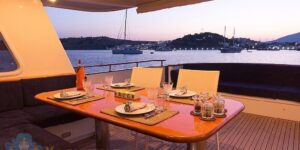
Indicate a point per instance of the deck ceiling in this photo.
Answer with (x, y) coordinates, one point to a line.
(114, 5)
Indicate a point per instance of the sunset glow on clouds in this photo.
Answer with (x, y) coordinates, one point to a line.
(256, 19)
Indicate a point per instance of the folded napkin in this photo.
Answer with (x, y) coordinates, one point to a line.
(129, 107)
(181, 92)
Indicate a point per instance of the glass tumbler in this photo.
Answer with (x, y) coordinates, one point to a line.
(87, 85)
(219, 105)
(197, 105)
(207, 111)
(152, 95)
(108, 80)
(167, 88)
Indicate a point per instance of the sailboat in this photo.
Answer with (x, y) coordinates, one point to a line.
(126, 49)
(227, 48)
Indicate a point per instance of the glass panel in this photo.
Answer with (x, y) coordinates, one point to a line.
(7, 62)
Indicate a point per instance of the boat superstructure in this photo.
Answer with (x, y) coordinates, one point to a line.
(230, 48)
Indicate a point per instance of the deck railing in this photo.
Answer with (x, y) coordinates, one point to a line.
(135, 63)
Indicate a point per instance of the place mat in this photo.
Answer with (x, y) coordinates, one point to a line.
(181, 100)
(111, 89)
(140, 118)
(79, 100)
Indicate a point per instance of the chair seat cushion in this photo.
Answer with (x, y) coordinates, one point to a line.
(32, 135)
(47, 115)
(12, 118)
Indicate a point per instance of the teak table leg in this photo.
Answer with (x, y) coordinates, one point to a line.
(102, 135)
(197, 145)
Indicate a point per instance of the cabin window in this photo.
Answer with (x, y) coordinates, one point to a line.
(7, 61)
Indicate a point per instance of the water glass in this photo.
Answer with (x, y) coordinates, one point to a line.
(108, 80)
(87, 85)
(153, 96)
(167, 87)
(152, 93)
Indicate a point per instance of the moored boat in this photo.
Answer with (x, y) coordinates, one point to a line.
(126, 49)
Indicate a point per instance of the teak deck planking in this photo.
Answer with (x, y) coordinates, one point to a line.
(245, 132)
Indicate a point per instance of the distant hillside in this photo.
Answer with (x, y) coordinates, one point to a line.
(208, 40)
(88, 43)
(198, 40)
(289, 38)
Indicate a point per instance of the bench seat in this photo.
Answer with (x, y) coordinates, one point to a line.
(47, 115)
(277, 81)
(20, 112)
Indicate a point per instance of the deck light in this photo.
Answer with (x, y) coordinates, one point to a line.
(52, 1)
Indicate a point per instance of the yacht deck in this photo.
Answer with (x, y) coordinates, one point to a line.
(246, 131)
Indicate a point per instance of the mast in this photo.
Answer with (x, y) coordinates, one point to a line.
(125, 25)
(224, 36)
(233, 36)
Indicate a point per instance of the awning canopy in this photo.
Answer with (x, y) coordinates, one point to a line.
(114, 5)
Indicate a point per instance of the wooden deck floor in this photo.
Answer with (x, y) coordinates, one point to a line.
(246, 132)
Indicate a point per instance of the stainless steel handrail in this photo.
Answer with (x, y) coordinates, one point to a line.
(125, 63)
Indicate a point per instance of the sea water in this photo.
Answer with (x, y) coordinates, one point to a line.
(94, 57)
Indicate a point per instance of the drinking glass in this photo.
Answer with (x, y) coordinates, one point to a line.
(207, 111)
(219, 105)
(204, 96)
(108, 80)
(197, 104)
(167, 88)
(152, 95)
(87, 85)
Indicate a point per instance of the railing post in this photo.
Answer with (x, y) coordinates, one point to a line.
(137, 64)
(109, 68)
(161, 63)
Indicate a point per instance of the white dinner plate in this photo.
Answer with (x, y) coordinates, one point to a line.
(70, 95)
(174, 93)
(121, 85)
(148, 108)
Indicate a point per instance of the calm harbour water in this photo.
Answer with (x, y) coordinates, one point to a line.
(93, 57)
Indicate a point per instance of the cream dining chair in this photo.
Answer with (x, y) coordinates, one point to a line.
(200, 81)
(146, 77)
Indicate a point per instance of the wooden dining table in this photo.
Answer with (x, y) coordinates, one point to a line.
(181, 128)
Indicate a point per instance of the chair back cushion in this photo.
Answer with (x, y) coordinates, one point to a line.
(199, 80)
(146, 77)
